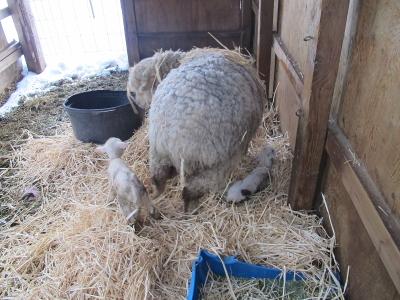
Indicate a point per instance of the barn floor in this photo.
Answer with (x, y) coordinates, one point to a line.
(70, 243)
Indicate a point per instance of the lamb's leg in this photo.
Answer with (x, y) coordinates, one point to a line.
(130, 211)
(160, 178)
(154, 213)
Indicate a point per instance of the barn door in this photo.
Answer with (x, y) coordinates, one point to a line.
(183, 24)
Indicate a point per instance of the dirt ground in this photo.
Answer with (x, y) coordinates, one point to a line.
(40, 114)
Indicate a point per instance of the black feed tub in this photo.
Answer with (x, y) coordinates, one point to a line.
(98, 115)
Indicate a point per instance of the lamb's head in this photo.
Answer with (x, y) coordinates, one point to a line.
(142, 81)
(114, 147)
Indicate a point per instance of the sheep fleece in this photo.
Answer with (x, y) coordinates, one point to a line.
(205, 112)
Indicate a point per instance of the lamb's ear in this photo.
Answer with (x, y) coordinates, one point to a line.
(100, 149)
(148, 84)
(245, 193)
(122, 145)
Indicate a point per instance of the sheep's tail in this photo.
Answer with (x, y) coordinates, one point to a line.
(130, 98)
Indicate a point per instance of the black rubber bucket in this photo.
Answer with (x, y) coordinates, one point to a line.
(98, 115)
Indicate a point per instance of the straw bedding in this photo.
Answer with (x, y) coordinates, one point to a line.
(78, 246)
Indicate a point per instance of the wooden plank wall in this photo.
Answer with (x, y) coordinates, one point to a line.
(363, 194)
(352, 67)
(181, 24)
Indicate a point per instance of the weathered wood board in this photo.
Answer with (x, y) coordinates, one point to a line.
(369, 112)
(368, 278)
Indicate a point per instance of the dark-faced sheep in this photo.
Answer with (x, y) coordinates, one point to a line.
(124, 184)
(202, 117)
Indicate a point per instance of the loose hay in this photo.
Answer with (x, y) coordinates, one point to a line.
(78, 246)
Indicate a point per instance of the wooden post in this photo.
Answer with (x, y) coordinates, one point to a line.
(319, 83)
(246, 26)
(26, 29)
(264, 41)
(131, 34)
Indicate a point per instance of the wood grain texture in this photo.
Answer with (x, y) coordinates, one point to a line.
(131, 39)
(319, 81)
(155, 16)
(345, 57)
(10, 74)
(264, 38)
(288, 63)
(246, 26)
(288, 103)
(369, 113)
(295, 18)
(368, 278)
(10, 59)
(148, 46)
(375, 214)
(25, 25)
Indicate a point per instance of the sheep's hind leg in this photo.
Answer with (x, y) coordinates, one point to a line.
(160, 178)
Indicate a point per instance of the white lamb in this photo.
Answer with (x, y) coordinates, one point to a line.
(202, 117)
(124, 184)
(257, 180)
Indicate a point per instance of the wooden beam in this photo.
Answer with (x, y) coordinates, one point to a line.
(289, 64)
(319, 81)
(131, 38)
(10, 59)
(10, 49)
(376, 215)
(347, 47)
(264, 41)
(27, 34)
(197, 34)
(273, 57)
(246, 26)
(4, 13)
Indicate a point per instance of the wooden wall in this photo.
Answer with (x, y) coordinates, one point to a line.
(345, 57)
(180, 24)
(367, 109)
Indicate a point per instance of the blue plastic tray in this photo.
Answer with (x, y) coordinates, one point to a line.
(211, 262)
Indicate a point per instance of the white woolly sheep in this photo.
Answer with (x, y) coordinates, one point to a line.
(201, 119)
(124, 184)
(257, 180)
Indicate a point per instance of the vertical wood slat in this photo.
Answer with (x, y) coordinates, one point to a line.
(246, 25)
(273, 60)
(131, 38)
(320, 77)
(264, 41)
(348, 41)
(27, 34)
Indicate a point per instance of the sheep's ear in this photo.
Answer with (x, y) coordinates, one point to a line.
(246, 193)
(148, 84)
(100, 149)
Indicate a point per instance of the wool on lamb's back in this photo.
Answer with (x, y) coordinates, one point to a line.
(205, 112)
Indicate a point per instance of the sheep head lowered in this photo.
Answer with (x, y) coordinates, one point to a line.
(145, 76)
(202, 117)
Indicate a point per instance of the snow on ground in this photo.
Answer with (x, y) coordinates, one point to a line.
(87, 35)
(66, 66)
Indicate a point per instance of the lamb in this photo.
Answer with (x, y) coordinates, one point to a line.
(201, 119)
(124, 184)
(257, 180)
